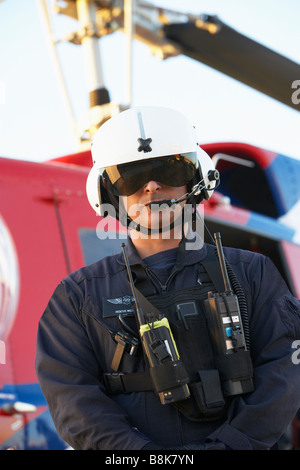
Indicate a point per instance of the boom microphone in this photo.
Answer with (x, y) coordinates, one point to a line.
(213, 175)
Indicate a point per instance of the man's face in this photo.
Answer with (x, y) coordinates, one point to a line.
(146, 207)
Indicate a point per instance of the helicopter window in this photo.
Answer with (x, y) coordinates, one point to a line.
(95, 248)
(247, 188)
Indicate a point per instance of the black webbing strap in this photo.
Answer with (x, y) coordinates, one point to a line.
(137, 382)
(142, 281)
(127, 383)
(147, 307)
(212, 266)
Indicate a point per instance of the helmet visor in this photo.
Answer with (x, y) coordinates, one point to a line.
(128, 178)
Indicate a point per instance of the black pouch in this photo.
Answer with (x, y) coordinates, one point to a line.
(208, 393)
(236, 372)
(206, 402)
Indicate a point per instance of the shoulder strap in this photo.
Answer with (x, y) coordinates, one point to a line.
(213, 268)
(141, 280)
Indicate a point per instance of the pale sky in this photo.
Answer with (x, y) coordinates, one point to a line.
(34, 124)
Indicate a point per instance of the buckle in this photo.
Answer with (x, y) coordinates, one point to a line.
(113, 382)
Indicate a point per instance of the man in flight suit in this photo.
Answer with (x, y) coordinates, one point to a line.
(102, 391)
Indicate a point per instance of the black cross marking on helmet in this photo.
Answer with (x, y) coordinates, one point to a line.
(144, 145)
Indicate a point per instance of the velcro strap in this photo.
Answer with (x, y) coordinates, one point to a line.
(127, 383)
(169, 375)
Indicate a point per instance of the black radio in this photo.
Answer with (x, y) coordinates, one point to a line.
(226, 329)
(167, 371)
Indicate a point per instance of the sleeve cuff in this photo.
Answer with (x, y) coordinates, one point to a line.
(232, 438)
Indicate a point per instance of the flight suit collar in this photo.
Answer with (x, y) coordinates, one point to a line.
(191, 250)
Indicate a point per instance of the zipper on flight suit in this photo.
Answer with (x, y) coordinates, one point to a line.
(163, 287)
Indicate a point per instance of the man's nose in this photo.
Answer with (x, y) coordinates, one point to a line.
(152, 186)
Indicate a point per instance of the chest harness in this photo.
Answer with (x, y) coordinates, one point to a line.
(195, 342)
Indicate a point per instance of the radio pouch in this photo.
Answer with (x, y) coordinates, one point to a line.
(206, 402)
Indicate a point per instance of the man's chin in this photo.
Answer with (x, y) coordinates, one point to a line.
(143, 229)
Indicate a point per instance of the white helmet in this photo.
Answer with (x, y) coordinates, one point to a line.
(144, 143)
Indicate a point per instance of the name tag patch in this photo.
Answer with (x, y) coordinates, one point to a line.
(121, 305)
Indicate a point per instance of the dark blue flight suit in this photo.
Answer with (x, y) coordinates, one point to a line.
(76, 347)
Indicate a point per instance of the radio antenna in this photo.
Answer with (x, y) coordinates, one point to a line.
(226, 281)
(139, 311)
